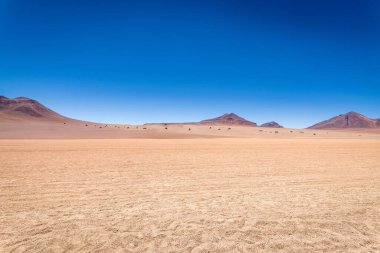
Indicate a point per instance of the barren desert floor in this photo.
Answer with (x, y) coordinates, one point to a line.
(190, 195)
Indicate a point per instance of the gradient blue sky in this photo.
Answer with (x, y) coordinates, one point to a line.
(293, 61)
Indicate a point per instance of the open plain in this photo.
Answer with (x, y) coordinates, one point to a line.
(190, 195)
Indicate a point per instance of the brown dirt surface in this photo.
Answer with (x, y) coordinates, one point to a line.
(191, 195)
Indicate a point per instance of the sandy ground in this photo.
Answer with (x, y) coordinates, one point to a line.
(88, 130)
(190, 195)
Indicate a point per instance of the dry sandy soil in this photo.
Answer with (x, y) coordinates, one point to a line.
(88, 130)
(190, 195)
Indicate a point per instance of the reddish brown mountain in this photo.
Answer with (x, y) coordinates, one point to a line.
(272, 124)
(23, 108)
(348, 120)
(228, 119)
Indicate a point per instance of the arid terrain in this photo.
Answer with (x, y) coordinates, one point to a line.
(217, 185)
(287, 194)
(190, 126)
(89, 130)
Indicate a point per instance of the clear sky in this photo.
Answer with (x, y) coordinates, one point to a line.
(293, 61)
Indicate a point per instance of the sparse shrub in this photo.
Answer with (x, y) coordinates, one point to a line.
(166, 128)
(189, 129)
(276, 132)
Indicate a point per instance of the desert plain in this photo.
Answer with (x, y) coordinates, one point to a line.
(264, 192)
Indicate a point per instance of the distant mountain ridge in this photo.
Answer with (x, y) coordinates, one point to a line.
(228, 119)
(348, 120)
(273, 124)
(22, 108)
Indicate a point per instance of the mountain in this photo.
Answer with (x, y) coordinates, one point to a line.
(348, 120)
(22, 108)
(228, 119)
(272, 124)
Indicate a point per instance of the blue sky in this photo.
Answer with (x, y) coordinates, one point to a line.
(293, 61)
